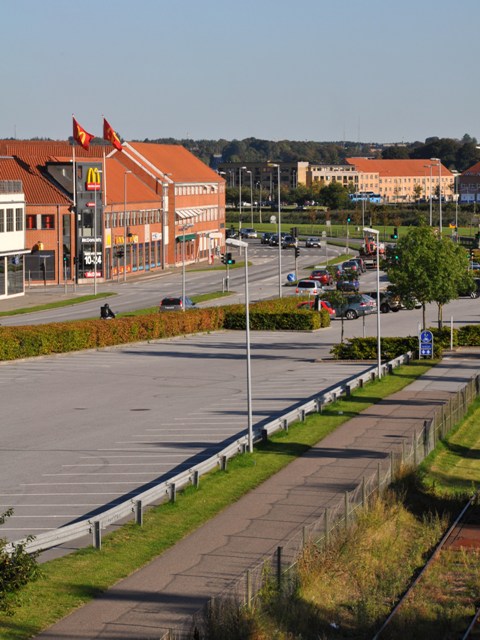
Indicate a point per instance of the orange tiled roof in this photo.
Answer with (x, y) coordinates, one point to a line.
(131, 186)
(37, 189)
(175, 160)
(391, 168)
(472, 171)
(54, 150)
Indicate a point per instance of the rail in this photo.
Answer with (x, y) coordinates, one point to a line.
(167, 490)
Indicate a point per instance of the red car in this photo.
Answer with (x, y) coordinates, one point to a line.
(322, 275)
(324, 304)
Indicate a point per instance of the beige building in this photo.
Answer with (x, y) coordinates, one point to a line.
(403, 180)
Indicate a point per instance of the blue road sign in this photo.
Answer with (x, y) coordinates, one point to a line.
(426, 336)
(291, 277)
(426, 344)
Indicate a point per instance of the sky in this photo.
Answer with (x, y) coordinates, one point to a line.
(358, 70)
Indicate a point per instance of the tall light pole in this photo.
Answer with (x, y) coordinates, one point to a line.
(379, 342)
(430, 166)
(271, 164)
(251, 197)
(259, 185)
(240, 197)
(184, 228)
(95, 237)
(439, 192)
(241, 243)
(125, 225)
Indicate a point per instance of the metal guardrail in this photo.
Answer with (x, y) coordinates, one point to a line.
(166, 491)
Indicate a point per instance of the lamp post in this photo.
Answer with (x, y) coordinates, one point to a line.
(184, 228)
(279, 231)
(125, 225)
(430, 166)
(439, 193)
(251, 197)
(241, 243)
(379, 345)
(240, 197)
(95, 238)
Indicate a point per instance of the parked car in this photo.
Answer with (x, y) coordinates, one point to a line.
(355, 306)
(348, 285)
(248, 232)
(312, 242)
(322, 304)
(388, 301)
(322, 275)
(309, 287)
(289, 241)
(176, 304)
(265, 239)
(351, 265)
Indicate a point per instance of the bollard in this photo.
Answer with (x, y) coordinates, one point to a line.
(173, 492)
(249, 589)
(138, 512)
(196, 479)
(223, 463)
(97, 535)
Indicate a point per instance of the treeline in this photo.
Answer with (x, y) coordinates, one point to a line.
(455, 154)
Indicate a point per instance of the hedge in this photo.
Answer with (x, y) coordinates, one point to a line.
(37, 340)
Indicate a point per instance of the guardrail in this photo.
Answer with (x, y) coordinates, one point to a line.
(167, 490)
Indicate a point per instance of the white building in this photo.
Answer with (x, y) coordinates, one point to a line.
(12, 239)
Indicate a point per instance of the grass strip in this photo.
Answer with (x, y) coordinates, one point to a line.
(56, 305)
(69, 582)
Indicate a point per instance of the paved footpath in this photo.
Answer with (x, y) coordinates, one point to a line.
(166, 592)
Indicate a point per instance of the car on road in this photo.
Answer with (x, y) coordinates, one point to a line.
(265, 239)
(322, 275)
(273, 242)
(361, 264)
(322, 305)
(312, 242)
(352, 266)
(289, 241)
(248, 232)
(348, 285)
(176, 304)
(355, 306)
(309, 287)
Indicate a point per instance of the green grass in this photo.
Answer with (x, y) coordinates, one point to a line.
(56, 305)
(69, 582)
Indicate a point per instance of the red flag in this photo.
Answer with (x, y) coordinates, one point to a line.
(110, 135)
(82, 137)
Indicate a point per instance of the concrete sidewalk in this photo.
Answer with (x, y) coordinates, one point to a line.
(168, 591)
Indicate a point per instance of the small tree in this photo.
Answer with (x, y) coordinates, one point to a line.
(17, 568)
(452, 270)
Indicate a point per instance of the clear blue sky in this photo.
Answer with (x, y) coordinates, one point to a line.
(368, 70)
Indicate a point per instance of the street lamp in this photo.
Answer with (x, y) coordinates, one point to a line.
(251, 196)
(271, 164)
(439, 192)
(241, 243)
(125, 225)
(184, 228)
(95, 238)
(240, 197)
(379, 346)
(430, 166)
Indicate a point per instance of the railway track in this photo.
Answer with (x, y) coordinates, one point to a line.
(455, 565)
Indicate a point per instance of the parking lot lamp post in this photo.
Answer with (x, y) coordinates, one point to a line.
(184, 228)
(279, 231)
(251, 197)
(439, 193)
(240, 197)
(240, 244)
(376, 233)
(430, 166)
(95, 239)
(125, 225)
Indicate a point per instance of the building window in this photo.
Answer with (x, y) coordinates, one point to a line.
(31, 222)
(48, 221)
(19, 219)
(10, 226)
(2, 223)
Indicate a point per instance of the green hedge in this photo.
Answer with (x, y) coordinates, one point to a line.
(37, 340)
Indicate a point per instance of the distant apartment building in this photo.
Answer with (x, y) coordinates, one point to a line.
(12, 238)
(343, 174)
(469, 185)
(405, 181)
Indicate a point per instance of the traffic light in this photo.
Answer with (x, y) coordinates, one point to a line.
(223, 258)
(394, 235)
(297, 252)
(294, 232)
(349, 219)
(228, 259)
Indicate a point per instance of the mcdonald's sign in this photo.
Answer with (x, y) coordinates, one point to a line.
(93, 179)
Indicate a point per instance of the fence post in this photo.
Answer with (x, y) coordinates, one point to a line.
(304, 536)
(364, 492)
(97, 535)
(425, 438)
(196, 479)
(391, 466)
(415, 461)
(138, 512)
(327, 528)
(379, 481)
(224, 463)
(173, 492)
(249, 589)
(279, 567)
(346, 509)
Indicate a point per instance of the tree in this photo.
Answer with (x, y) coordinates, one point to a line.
(334, 196)
(17, 568)
(414, 269)
(451, 262)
